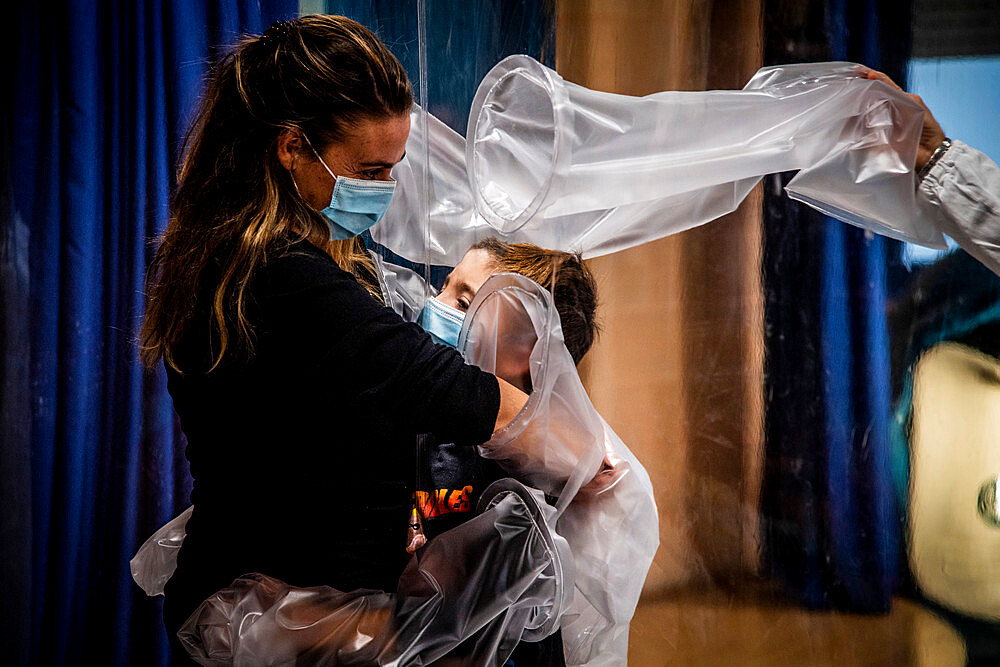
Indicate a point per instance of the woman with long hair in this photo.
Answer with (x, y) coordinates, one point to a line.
(297, 390)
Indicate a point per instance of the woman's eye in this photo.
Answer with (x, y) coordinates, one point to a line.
(463, 304)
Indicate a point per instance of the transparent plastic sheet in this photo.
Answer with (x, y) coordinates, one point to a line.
(556, 164)
(561, 157)
(557, 443)
(605, 523)
(155, 561)
(470, 594)
(402, 288)
(449, 218)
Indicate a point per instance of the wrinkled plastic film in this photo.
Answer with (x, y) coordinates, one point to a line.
(543, 151)
(613, 531)
(403, 289)
(470, 594)
(556, 164)
(155, 561)
(432, 216)
(558, 443)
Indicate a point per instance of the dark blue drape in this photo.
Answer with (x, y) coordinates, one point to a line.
(93, 458)
(830, 519)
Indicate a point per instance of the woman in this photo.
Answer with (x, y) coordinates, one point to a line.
(261, 307)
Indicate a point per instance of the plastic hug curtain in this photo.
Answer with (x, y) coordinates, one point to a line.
(468, 596)
(557, 444)
(568, 168)
(556, 164)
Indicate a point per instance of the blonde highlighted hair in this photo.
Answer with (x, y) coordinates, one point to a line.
(234, 203)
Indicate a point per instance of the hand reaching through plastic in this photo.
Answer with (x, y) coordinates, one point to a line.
(610, 473)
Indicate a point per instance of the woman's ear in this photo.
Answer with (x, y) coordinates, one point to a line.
(289, 144)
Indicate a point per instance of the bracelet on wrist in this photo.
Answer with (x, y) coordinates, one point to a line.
(938, 153)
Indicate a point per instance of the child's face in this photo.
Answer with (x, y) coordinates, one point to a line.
(514, 346)
(464, 281)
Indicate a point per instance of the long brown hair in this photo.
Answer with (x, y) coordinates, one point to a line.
(234, 203)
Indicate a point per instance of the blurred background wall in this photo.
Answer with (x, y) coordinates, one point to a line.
(678, 368)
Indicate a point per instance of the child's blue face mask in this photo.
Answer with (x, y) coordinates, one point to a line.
(355, 204)
(441, 321)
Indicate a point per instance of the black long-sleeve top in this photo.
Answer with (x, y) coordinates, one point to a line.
(303, 452)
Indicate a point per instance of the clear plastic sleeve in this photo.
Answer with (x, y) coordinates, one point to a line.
(565, 167)
(469, 596)
(556, 443)
(582, 167)
(155, 561)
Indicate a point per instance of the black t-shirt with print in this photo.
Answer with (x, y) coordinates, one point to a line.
(450, 480)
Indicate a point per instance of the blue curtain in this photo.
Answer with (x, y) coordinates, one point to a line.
(830, 518)
(92, 456)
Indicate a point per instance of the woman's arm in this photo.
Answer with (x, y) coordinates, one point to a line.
(367, 361)
(512, 401)
(961, 189)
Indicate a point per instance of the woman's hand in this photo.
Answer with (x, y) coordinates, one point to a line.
(931, 135)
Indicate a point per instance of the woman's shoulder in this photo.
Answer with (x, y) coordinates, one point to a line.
(289, 253)
(297, 265)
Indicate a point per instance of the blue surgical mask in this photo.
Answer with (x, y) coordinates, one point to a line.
(441, 321)
(355, 204)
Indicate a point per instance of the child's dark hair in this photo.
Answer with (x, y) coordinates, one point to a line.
(574, 289)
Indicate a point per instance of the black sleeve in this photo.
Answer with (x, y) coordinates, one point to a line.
(387, 368)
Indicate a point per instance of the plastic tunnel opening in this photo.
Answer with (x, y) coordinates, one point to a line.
(513, 145)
